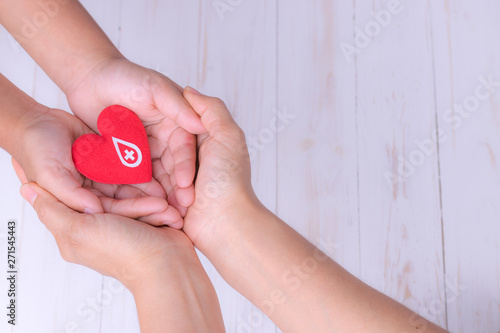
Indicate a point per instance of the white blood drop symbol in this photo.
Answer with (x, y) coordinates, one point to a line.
(129, 154)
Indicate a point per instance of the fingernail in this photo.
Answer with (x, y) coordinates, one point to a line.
(28, 193)
(192, 90)
(88, 211)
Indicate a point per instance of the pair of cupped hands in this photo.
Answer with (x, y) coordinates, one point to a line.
(124, 230)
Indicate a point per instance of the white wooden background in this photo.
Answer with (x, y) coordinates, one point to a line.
(358, 170)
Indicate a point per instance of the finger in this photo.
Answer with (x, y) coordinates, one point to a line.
(160, 174)
(183, 147)
(173, 105)
(184, 196)
(52, 213)
(181, 198)
(213, 112)
(19, 171)
(169, 217)
(153, 189)
(63, 185)
(173, 200)
(159, 135)
(200, 139)
(134, 208)
(152, 210)
(167, 162)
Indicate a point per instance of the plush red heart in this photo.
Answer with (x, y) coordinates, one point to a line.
(120, 155)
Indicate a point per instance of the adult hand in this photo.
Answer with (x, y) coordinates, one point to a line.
(157, 264)
(262, 257)
(158, 102)
(43, 155)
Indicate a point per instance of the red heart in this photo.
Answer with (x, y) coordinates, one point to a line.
(121, 155)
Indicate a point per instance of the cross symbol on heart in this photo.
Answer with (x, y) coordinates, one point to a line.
(129, 155)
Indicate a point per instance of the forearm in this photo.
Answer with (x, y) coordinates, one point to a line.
(178, 298)
(15, 108)
(60, 36)
(295, 284)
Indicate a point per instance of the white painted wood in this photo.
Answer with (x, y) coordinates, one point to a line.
(237, 62)
(400, 221)
(466, 49)
(317, 153)
(11, 207)
(45, 282)
(324, 172)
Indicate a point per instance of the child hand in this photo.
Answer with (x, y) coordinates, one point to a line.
(169, 120)
(43, 155)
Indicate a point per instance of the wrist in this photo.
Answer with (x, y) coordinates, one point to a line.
(158, 267)
(17, 111)
(221, 224)
(177, 292)
(232, 232)
(28, 115)
(163, 275)
(67, 47)
(88, 68)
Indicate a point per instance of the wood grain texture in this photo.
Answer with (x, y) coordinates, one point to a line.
(399, 195)
(237, 62)
(45, 281)
(11, 207)
(467, 54)
(352, 162)
(317, 150)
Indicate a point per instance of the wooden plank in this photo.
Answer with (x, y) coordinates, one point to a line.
(466, 53)
(11, 207)
(237, 62)
(162, 35)
(399, 197)
(45, 282)
(353, 121)
(317, 174)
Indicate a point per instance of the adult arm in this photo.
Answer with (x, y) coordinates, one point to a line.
(290, 280)
(60, 36)
(157, 264)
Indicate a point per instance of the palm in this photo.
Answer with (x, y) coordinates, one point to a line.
(50, 164)
(159, 104)
(222, 179)
(140, 246)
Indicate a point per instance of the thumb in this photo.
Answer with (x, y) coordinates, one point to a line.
(64, 185)
(51, 212)
(19, 171)
(71, 192)
(171, 103)
(213, 112)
